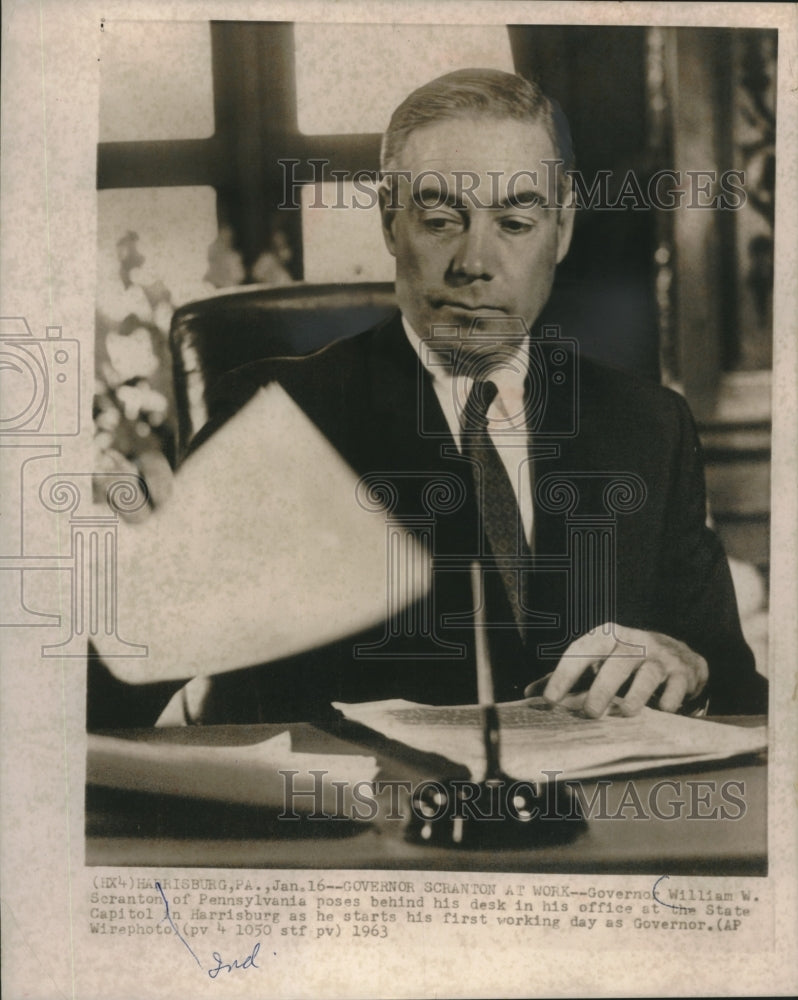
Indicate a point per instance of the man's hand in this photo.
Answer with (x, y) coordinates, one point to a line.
(616, 655)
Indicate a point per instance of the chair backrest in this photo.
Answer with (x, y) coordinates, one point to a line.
(213, 336)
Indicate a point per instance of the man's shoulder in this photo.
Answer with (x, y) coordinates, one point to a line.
(319, 381)
(629, 397)
(340, 357)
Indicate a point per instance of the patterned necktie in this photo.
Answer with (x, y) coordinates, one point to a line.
(500, 516)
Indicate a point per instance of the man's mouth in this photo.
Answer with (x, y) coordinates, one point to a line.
(472, 307)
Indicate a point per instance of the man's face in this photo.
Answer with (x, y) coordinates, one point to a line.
(488, 255)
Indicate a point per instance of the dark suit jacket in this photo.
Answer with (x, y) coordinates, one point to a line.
(619, 529)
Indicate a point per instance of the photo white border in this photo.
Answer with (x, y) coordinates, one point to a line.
(49, 133)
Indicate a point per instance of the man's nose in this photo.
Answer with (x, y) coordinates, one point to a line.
(475, 256)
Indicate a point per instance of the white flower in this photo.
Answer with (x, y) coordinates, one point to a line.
(162, 316)
(108, 419)
(115, 302)
(130, 398)
(132, 355)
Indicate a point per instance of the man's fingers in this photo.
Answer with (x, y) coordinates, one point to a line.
(701, 675)
(537, 687)
(675, 690)
(685, 671)
(610, 677)
(567, 675)
(647, 679)
(666, 661)
(589, 650)
(616, 654)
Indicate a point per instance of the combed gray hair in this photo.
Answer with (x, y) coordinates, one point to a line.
(469, 92)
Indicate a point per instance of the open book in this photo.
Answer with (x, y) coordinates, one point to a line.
(538, 737)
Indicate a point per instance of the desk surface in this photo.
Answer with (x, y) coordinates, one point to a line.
(132, 828)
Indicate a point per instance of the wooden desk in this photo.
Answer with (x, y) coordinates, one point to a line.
(125, 828)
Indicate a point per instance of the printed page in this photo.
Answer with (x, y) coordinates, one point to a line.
(539, 739)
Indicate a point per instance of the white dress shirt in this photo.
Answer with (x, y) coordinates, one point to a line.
(506, 416)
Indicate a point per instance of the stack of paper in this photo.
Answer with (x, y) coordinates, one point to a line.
(538, 737)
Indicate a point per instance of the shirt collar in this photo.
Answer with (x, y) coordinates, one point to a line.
(509, 379)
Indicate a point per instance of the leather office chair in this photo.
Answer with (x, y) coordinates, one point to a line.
(213, 336)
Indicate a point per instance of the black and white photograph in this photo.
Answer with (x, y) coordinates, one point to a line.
(398, 435)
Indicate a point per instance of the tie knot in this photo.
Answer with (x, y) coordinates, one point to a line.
(475, 414)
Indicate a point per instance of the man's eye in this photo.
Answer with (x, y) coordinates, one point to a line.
(442, 223)
(517, 225)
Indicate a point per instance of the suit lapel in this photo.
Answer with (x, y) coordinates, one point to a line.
(404, 400)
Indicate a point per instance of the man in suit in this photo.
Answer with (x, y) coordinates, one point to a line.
(576, 490)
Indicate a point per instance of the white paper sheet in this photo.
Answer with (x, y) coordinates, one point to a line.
(248, 775)
(265, 513)
(538, 737)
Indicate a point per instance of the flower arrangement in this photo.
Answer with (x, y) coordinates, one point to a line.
(134, 407)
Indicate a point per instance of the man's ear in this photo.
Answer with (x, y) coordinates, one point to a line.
(565, 230)
(566, 214)
(387, 215)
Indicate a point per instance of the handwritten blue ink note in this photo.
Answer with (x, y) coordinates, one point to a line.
(213, 972)
(173, 925)
(248, 963)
